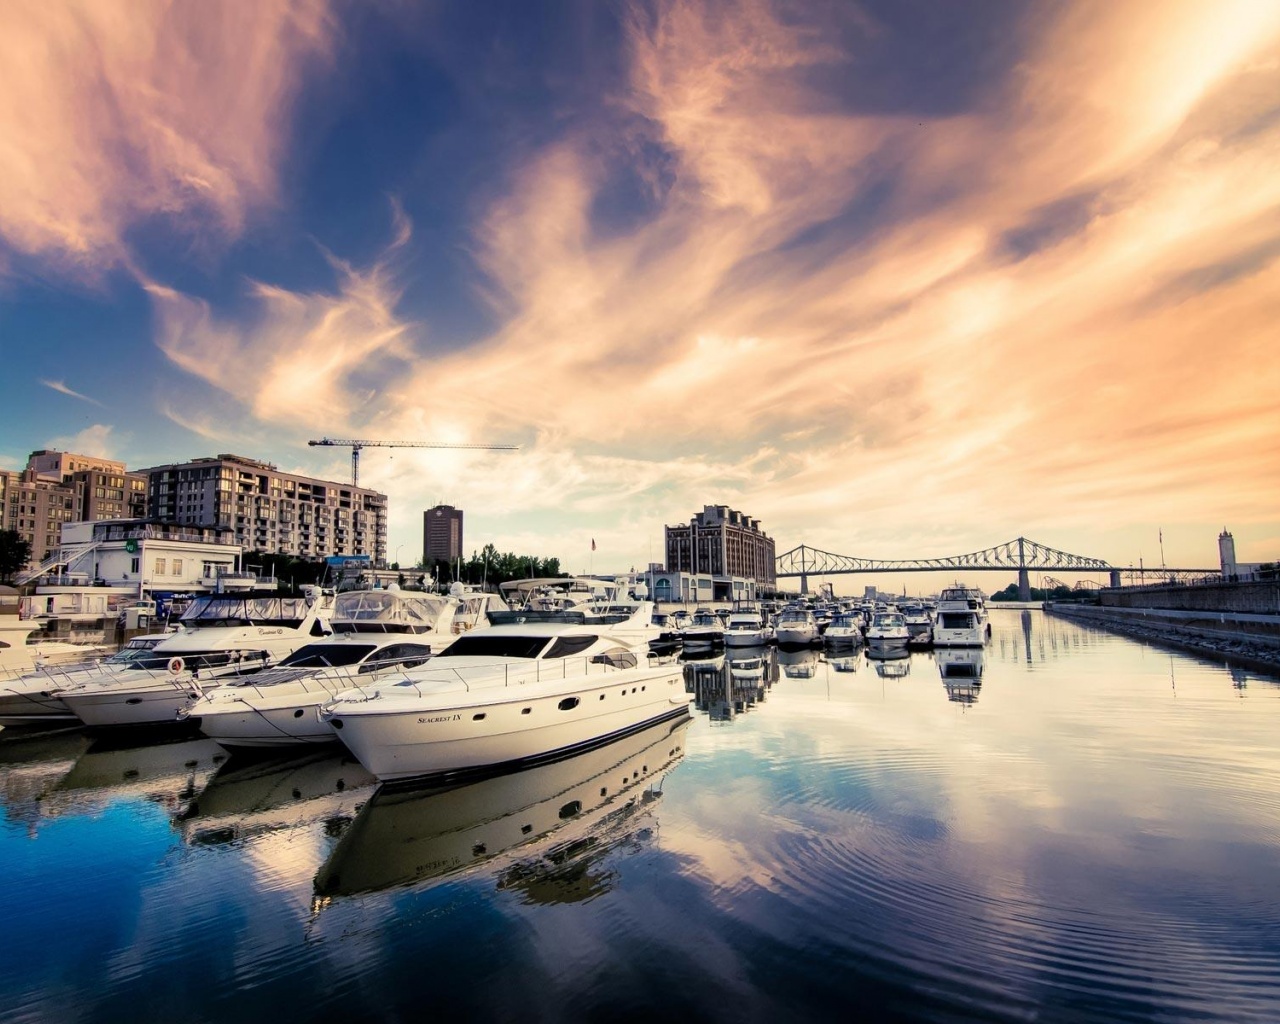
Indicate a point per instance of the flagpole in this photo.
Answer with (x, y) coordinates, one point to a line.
(1162, 549)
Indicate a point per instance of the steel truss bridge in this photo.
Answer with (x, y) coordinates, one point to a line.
(1019, 555)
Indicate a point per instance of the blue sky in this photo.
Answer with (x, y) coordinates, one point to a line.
(899, 279)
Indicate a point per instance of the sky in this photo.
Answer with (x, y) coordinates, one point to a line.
(898, 278)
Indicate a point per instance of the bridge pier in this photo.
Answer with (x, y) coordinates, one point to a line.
(1115, 577)
(804, 583)
(1024, 585)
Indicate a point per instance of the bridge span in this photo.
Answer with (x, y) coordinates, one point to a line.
(1018, 555)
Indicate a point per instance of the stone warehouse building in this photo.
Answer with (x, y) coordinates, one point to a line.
(722, 542)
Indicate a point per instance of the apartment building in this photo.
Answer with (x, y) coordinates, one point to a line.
(271, 511)
(722, 542)
(64, 487)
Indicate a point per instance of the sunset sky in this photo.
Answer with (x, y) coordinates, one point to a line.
(900, 278)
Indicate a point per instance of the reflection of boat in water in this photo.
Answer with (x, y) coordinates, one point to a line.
(168, 774)
(798, 664)
(747, 663)
(890, 662)
(960, 663)
(31, 764)
(844, 662)
(540, 827)
(728, 686)
(961, 670)
(259, 795)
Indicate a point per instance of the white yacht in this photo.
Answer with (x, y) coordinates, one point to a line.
(373, 630)
(744, 629)
(887, 629)
(219, 636)
(796, 626)
(962, 619)
(918, 619)
(705, 631)
(32, 699)
(505, 695)
(845, 630)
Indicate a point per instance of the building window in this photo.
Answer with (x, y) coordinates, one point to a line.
(160, 567)
(177, 566)
(133, 565)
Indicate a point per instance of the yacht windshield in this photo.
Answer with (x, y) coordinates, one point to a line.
(495, 646)
(328, 655)
(569, 645)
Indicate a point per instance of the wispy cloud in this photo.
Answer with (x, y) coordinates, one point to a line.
(1054, 307)
(307, 359)
(62, 388)
(112, 114)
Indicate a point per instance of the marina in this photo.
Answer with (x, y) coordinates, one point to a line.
(1062, 824)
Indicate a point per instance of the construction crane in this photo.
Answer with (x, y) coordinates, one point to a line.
(356, 444)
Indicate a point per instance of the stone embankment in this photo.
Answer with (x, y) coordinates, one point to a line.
(1248, 639)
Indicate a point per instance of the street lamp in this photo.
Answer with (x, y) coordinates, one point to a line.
(398, 547)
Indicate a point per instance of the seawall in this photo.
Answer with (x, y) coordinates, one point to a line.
(1250, 639)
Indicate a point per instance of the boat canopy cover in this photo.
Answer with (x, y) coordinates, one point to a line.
(396, 611)
(234, 610)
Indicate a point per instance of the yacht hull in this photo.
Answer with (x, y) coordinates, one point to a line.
(157, 705)
(31, 707)
(461, 732)
(796, 637)
(259, 726)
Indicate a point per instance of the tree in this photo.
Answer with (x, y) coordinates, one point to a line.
(15, 552)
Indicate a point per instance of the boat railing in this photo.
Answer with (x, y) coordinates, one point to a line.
(512, 675)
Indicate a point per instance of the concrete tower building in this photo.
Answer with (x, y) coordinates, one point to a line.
(1227, 553)
(441, 534)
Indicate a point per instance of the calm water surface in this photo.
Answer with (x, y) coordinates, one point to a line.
(1088, 832)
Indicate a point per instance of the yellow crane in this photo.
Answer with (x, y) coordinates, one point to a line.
(355, 444)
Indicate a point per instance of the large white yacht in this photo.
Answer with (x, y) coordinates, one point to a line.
(845, 630)
(744, 629)
(373, 630)
(219, 636)
(962, 619)
(888, 628)
(32, 699)
(796, 626)
(505, 695)
(705, 631)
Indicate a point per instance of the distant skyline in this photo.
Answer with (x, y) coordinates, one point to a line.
(900, 279)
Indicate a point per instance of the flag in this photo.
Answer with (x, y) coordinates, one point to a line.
(1162, 535)
(593, 543)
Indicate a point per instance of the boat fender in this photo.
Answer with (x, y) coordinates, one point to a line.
(175, 665)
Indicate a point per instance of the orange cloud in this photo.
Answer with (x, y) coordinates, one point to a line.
(113, 113)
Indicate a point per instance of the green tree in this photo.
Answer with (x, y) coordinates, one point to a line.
(15, 552)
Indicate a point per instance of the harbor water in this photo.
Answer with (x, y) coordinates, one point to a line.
(1067, 826)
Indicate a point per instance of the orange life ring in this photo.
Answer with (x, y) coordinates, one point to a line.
(176, 665)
